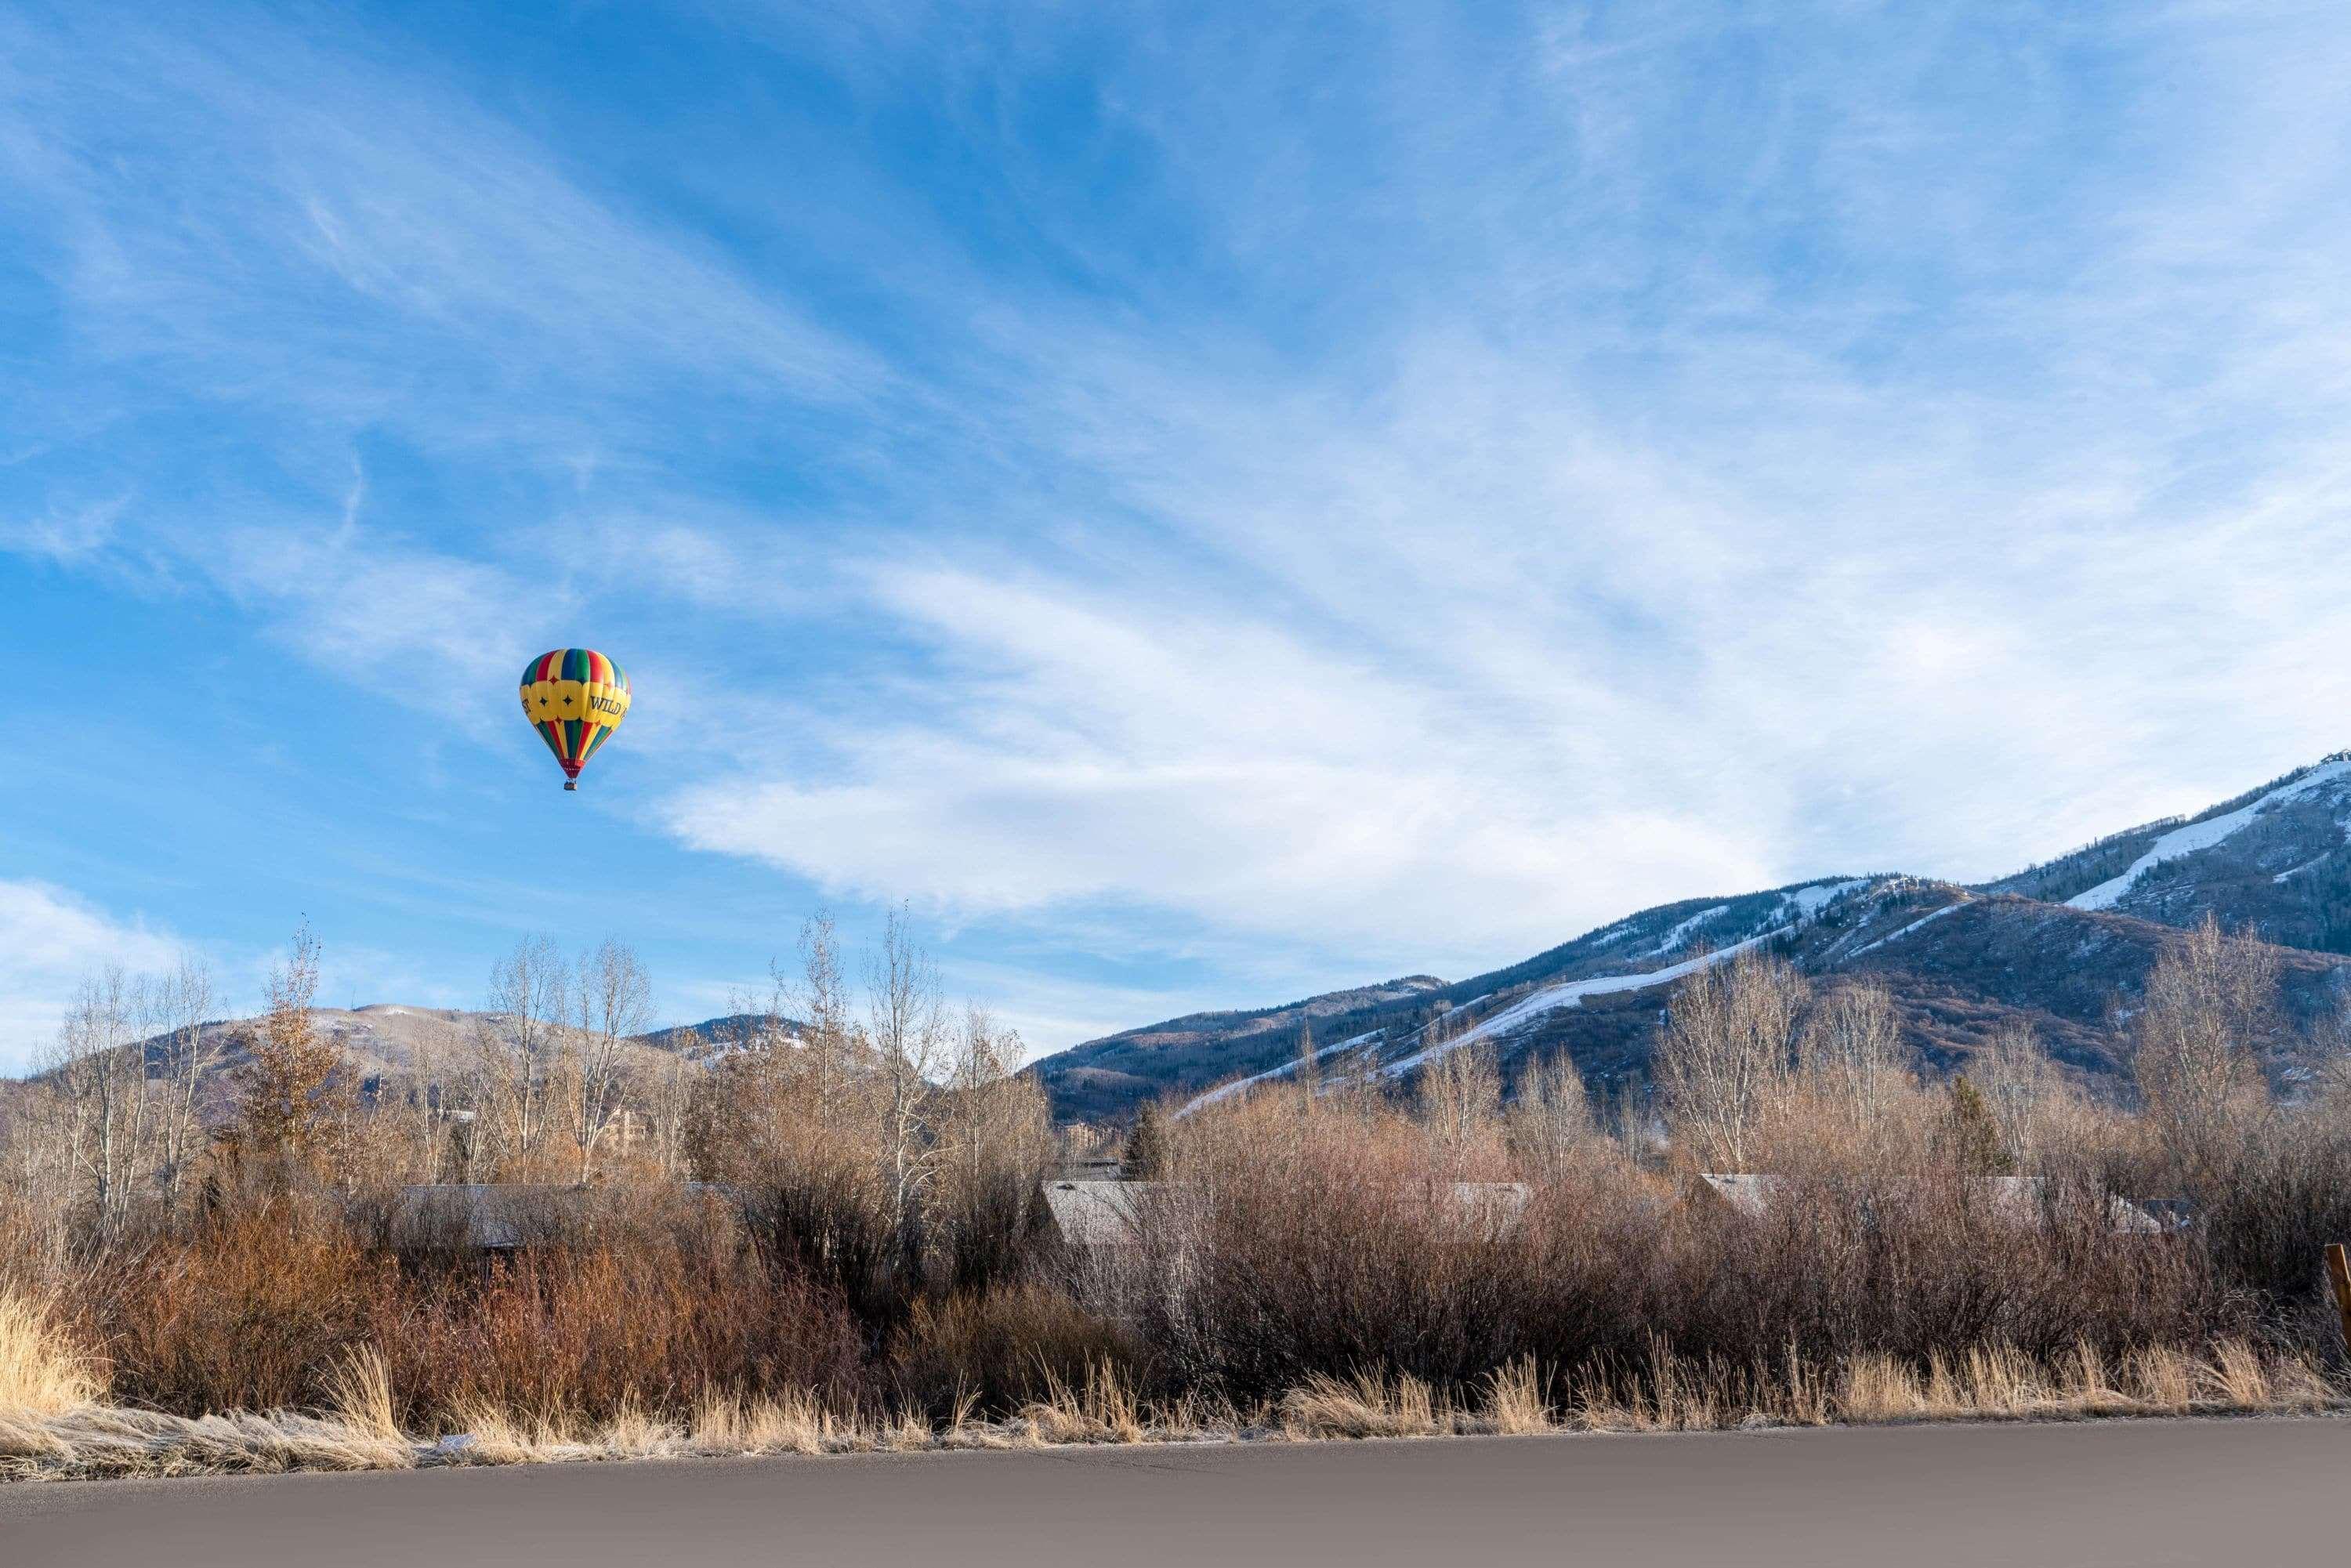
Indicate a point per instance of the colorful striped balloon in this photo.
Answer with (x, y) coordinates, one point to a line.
(575, 698)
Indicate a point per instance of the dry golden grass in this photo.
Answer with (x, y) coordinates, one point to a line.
(42, 1372)
(55, 1427)
(791, 1424)
(1105, 1410)
(1515, 1406)
(1366, 1405)
(359, 1392)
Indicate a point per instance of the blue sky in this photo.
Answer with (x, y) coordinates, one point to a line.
(1207, 506)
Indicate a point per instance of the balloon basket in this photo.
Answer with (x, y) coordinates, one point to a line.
(569, 784)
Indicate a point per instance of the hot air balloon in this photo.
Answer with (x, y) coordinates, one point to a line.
(575, 698)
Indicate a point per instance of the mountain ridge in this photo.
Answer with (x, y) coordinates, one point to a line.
(2058, 945)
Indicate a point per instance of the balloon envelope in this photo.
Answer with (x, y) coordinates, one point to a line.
(575, 698)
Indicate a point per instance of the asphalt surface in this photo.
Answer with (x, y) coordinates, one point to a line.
(2239, 1493)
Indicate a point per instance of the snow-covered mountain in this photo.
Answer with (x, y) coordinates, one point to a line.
(2276, 859)
(2063, 946)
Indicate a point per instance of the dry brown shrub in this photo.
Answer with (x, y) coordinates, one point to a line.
(246, 1313)
(587, 1334)
(998, 1350)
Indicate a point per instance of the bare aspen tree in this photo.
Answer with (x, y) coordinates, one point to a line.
(994, 1140)
(432, 1103)
(1724, 1061)
(822, 999)
(189, 1053)
(2211, 1010)
(36, 1165)
(669, 1095)
(516, 1041)
(1460, 1093)
(1852, 1049)
(991, 1113)
(102, 1078)
(1549, 1117)
(612, 1000)
(2021, 1087)
(906, 1026)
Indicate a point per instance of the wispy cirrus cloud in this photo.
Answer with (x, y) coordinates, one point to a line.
(1284, 500)
(49, 940)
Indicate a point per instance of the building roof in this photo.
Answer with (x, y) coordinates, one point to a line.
(1108, 1213)
(2017, 1199)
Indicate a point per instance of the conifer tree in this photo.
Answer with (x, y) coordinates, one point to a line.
(1146, 1146)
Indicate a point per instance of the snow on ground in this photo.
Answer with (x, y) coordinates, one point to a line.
(1810, 901)
(1284, 1070)
(1570, 995)
(1680, 933)
(2204, 835)
(1897, 937)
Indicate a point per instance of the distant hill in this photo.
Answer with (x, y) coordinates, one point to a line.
(389, 1040)
(2060, 945)
(2065, 945)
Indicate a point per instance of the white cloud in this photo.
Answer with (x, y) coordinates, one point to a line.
(49, 940)
(1545, 481)
(64, 534)
(362, 603)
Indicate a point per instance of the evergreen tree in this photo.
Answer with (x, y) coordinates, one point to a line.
(1972, 1133)
(1146, 1146)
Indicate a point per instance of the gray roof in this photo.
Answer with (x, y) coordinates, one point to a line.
(1097, 1213)
(2015, 1198)
(1108, 1213)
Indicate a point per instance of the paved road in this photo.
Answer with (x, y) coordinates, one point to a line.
(2239, 1493)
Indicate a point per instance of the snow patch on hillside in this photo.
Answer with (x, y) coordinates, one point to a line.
(1286, 1069)
(1808, 902)
(1680, 933)
(1570, 995)
(2203, 835)
(1922, 920)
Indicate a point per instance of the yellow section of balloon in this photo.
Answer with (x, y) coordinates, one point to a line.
(590, 700)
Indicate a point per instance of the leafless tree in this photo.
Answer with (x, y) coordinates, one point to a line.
(2209, 1013)
(1550, 1117)
(821, 997)
(984, 1114)
(1724, 1062)
(1852, 1049)
(515, 1044)
(1460, 1094)
(102, 1080)
(2026, 1094)
(189, 1054)
(906, 1026)
(1306, 1073)
(612, 1000)
(669, 1095)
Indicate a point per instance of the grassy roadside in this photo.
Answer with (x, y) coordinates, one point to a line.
(56, 1424)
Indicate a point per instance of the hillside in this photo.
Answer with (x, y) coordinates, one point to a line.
(2062, 945)
(2275, 859)
(389, 1040)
